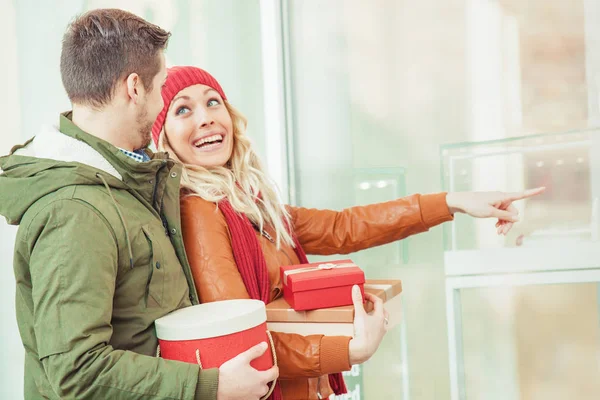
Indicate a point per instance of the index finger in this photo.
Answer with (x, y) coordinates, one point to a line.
(525, 194)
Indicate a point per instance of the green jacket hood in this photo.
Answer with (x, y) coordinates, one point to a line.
(48, 162)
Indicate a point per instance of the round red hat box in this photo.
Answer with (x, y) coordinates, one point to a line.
(212, 333)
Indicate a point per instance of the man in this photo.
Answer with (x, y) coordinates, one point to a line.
(99, 254)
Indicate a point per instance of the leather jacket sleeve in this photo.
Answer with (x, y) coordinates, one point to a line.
(341, 232)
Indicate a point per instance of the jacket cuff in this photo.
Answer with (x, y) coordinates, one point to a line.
(434, 209)
(208, 383)
(334, 355)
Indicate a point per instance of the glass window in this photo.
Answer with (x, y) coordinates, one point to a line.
(383, 85)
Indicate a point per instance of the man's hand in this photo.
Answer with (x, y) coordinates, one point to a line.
(238, 380)
(369, 329)
(490, 205)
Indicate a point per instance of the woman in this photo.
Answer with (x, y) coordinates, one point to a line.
(237, 234)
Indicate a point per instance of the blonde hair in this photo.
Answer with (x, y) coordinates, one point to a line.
(241, 181)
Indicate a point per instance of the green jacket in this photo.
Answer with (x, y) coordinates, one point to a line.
(98, 258)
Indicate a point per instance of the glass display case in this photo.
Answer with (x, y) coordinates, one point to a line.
(565, 163)
(564, 219)
(523, 309)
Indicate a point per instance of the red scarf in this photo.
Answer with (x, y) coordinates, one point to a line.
(251, 263)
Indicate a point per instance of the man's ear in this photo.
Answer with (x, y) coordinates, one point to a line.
(134, 86)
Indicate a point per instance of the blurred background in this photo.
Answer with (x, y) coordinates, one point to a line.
(352, 102)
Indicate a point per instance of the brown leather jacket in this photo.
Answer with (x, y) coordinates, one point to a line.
(303, 360)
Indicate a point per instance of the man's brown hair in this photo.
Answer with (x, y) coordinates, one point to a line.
(103, 46)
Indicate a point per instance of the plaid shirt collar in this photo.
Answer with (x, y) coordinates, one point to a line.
(137, 155)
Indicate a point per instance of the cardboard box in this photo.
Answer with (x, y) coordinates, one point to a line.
(336, 320)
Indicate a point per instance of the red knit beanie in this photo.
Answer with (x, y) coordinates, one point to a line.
(178, 78)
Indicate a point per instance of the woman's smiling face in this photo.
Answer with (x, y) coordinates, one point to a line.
(199, 128)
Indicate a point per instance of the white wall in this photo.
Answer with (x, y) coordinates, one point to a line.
(11, 363)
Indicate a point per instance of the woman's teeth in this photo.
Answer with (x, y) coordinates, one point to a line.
(209, 140)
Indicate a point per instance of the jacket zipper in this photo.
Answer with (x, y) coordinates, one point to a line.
(154, 189)
(319, 395)
(263, 233)
(267, 236)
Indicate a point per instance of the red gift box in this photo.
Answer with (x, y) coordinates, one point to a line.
(321, 285)
(210, 334)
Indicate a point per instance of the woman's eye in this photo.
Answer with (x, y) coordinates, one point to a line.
(182, 110)
(213, 102)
